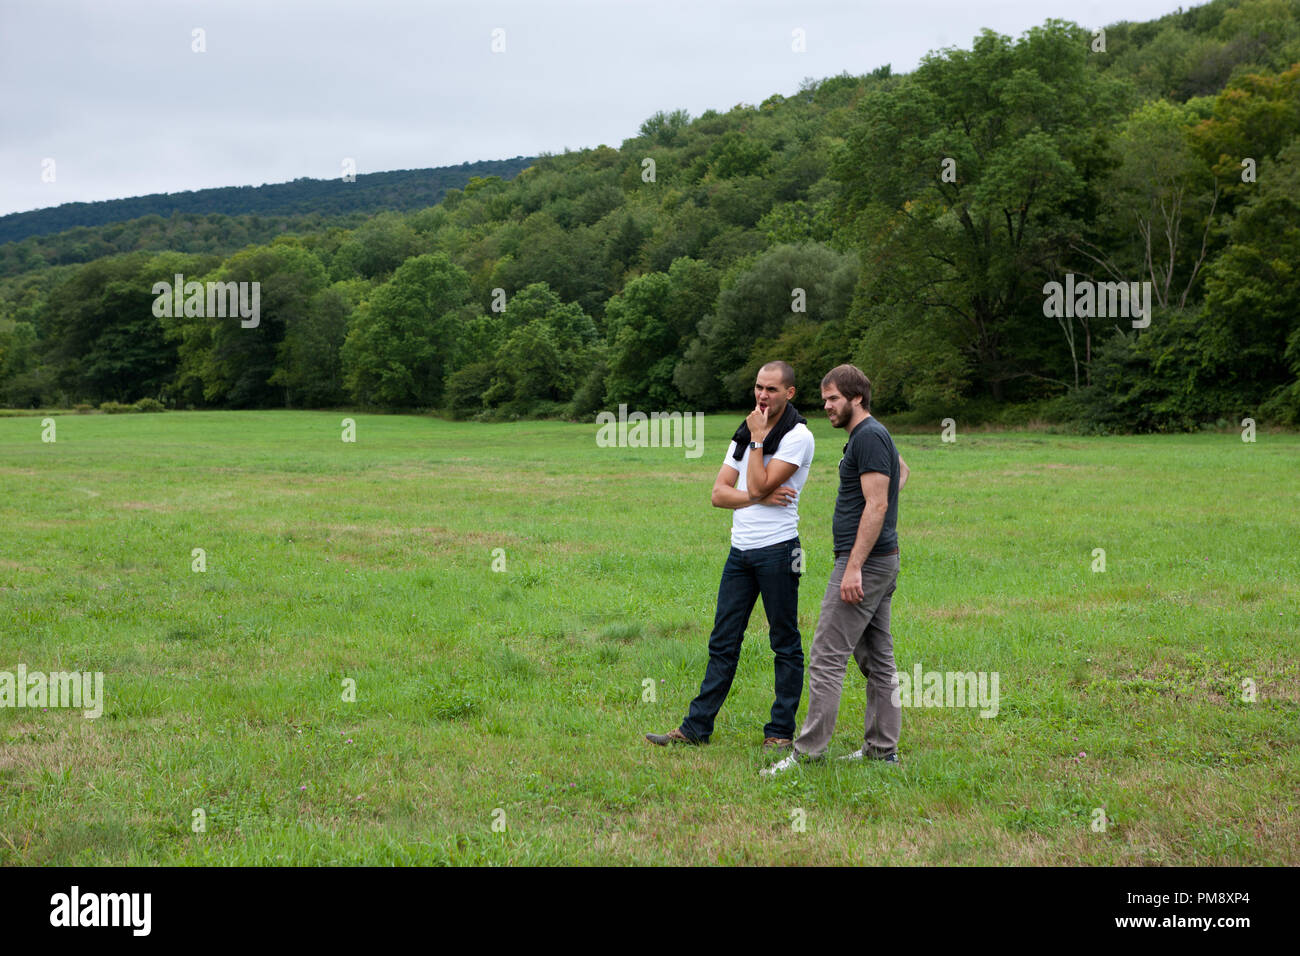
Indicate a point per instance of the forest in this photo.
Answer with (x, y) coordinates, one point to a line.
(399, 189)
(909, 223)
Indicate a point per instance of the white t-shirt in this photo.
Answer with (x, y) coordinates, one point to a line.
(759, 525)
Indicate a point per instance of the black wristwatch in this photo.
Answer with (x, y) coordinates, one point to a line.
(754, 444)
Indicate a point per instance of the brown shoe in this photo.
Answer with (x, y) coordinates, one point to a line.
(777, 743)
(674, 736)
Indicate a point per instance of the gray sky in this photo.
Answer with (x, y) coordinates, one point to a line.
(113, 92)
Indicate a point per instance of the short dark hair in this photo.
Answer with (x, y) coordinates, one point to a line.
(850, 382)
(787, 372)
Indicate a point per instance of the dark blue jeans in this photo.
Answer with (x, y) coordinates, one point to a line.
(771, 572)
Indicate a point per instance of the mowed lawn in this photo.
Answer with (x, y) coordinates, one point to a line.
(498, 715)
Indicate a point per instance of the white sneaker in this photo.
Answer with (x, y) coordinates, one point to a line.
(861, 754)
(780, 766)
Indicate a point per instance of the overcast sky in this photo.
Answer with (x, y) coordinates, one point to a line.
(114, 93)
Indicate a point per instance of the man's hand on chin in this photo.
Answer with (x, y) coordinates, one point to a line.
(757, 422)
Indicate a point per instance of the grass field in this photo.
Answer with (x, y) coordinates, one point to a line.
(498, 714)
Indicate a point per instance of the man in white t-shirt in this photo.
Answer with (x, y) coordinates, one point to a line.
(762, 474)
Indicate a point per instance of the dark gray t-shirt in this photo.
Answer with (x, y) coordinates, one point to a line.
(869, 449)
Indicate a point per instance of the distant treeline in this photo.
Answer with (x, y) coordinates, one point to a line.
(912, 224)
(191, 232)
(400, 189)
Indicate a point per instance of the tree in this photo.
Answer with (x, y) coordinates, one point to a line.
(808, 282)
(570, 262)
(1155, 219)
(1159, 189)
(549, 347)
(964, 179)
(105, 341)
(19, 378)
(1252, 119)
(234, 362)
(376, 248)
(1252, 338)
(665, 128)
(737, 155)
(650, 325)
(400, 343)
(529, 370)
(309, 365)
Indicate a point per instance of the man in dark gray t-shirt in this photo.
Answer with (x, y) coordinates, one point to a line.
(854, 617)
(870, 449)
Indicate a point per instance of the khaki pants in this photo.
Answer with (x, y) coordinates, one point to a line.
(860, 630)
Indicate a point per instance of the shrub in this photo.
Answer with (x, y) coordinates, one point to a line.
(466, 387)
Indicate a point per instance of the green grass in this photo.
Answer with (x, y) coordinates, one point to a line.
(517, 696)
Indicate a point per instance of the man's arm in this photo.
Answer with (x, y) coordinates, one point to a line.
(903, 473)
(727, 495)
(875, 489)
(725, 492)
(762, 480)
